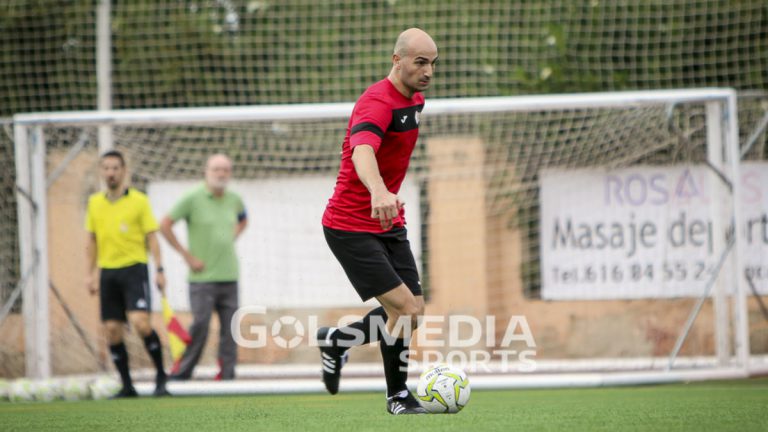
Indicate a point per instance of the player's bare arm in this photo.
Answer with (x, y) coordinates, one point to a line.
(240, 227)
(166, 228)
(154, 249)
(385, 205)
(91, 272)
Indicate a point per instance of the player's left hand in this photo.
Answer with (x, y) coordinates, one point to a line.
(160, 282)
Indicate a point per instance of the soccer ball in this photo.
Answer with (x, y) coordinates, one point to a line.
(5, 389)
(104, 387)
(75, 389)
(22, 390)
(47, 390)
(443, 389)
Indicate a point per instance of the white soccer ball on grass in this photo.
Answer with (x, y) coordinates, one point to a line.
(104, 387)
(22, 390)
(75, 389)
(5, 388)
(47, 390)
(443, 389)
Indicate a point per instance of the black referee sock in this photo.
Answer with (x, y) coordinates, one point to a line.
(395, 356)
(346, 337)
(120, 358)
(155, 350)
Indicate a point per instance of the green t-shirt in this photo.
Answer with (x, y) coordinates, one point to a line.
(211, 224)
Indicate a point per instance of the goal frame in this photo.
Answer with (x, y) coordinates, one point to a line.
(723, 153)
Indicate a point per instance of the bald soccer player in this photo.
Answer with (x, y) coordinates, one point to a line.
(215, 218)
(364, 221)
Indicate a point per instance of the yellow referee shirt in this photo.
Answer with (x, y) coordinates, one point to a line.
(120, 227)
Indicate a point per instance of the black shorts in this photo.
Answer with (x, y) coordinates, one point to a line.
(124, 289)
(375, 263)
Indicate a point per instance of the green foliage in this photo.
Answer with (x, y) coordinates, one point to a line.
(202, 53)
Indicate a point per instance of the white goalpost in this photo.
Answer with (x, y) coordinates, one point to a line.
(520, 206)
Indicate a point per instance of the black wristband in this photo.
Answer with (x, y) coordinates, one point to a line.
(160, 269)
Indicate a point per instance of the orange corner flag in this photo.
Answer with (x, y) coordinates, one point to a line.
(178, 338)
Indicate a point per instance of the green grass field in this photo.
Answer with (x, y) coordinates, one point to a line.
(712, 406)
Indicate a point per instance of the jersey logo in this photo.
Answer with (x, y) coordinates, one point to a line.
(404, 119)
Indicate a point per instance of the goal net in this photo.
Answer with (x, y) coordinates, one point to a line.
(563, 233)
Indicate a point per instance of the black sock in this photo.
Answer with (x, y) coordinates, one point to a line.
(120, 357)
(155, 350)
(360, 332)
(394, 354)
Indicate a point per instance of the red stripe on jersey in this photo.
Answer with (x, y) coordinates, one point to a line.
(389, 122)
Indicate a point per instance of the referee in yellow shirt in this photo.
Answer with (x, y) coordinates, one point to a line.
(120, 228)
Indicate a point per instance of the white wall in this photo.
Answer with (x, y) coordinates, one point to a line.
(284, 259)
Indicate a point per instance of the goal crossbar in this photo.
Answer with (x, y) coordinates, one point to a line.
(335, 110)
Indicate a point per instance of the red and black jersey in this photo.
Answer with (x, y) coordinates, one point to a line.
(389, 122)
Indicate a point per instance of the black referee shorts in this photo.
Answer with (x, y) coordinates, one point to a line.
(123, 289)
(375, 263)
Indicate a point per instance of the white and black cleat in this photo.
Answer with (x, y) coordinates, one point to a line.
(125, 392)
(404, 403)
(331, 358)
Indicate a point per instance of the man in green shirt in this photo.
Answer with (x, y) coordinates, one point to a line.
(215, 217)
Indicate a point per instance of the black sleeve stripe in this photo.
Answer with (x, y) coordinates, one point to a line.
(367, 126)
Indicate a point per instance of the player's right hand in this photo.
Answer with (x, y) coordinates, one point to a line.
(195, 264)
(90, 285)
(385, 206)
(160, 282)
